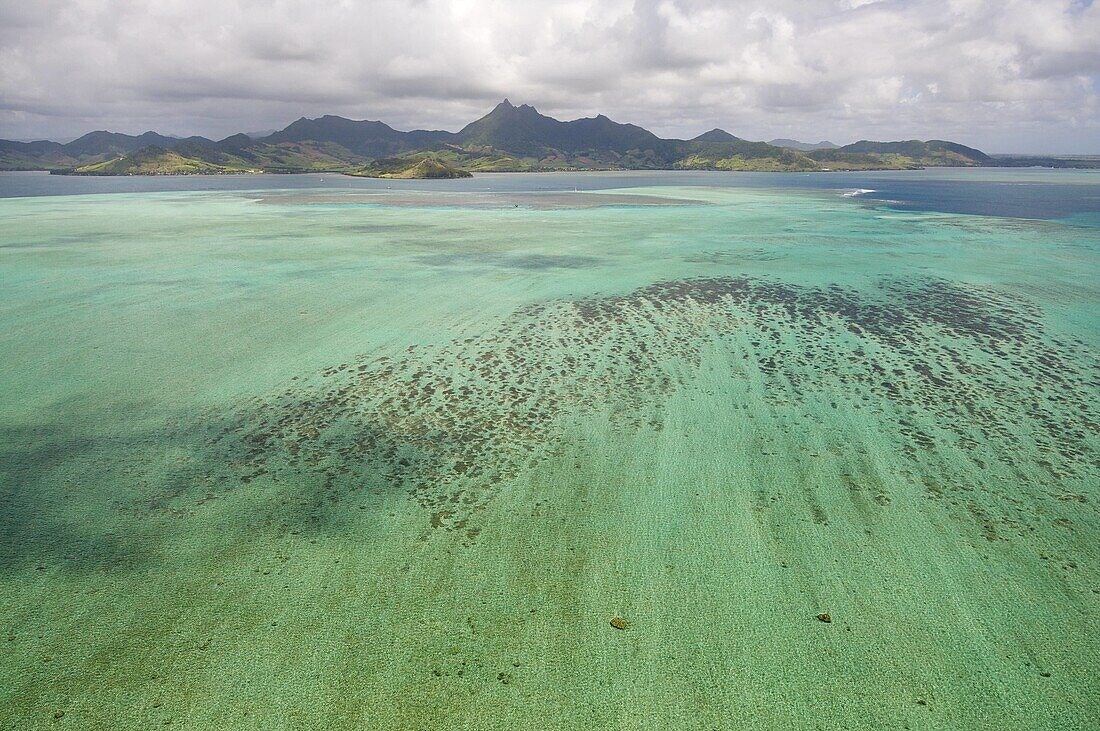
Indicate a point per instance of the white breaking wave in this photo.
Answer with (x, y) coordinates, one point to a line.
(857, 191)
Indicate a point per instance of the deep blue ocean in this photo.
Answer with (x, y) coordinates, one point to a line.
(1034, 193)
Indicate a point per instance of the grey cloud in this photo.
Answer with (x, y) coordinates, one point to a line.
(429, 88)
(998, 74)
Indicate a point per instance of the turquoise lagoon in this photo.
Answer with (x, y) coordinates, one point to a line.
(314, 452)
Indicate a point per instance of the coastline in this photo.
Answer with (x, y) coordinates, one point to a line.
(554, 170)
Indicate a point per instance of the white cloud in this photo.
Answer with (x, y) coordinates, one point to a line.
(1009, 74)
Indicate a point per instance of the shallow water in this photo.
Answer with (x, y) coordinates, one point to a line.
(284, 452)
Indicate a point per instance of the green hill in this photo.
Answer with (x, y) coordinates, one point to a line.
(931, 153)
(153, 160)
(426, 167)
(365, 139)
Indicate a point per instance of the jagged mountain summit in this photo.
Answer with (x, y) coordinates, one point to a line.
(524, 131)
(508, 138)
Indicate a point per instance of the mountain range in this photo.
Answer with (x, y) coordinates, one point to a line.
(803, 146)
(509, 138)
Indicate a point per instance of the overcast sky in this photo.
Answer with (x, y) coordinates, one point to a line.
(1003, 75)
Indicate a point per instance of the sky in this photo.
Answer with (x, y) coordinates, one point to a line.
(1001, 75)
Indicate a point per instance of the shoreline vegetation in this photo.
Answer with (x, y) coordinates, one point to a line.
(508, 139)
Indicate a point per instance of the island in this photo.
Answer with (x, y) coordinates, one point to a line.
(509, 138)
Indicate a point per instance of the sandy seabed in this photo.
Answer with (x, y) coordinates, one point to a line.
(311, 460)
